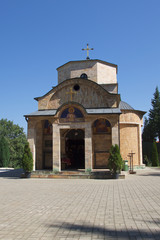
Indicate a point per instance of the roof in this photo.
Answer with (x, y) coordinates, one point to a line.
(88, 110)
(42, 113)
(103, 110)
(125, 106)
(91, 60)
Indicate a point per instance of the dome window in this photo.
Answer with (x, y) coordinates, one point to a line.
(84, 76)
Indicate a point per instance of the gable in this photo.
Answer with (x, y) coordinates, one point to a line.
(86, 93)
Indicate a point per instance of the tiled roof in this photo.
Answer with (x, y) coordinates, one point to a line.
(42, 113)
(103, 110)
(88, 110)
(124, 105)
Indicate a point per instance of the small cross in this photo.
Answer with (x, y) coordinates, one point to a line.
(87, 49)
(71, 93)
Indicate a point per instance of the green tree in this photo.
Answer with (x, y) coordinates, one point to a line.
(115, 161)
(16, 139)
(4, 152)
(154, 158)
(27, 160)
(148, 134)
(151, 128)
(154, 115)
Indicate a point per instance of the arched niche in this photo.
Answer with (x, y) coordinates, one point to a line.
(47, 145)
(102, 142)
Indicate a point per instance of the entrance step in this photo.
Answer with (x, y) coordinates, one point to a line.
(74, 175)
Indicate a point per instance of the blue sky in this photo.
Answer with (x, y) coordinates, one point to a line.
(37, 36)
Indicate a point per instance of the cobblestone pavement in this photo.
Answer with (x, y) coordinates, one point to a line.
(60, 209)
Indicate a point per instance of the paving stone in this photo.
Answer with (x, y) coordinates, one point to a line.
(40, 209)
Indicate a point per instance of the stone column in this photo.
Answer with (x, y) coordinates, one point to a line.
(88, 147)
(31, 136)
(56, 147)
(115, 134)
(140, 145)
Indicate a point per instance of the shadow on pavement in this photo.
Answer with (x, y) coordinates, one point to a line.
(11, 173)
(150, 174)
(110, 233)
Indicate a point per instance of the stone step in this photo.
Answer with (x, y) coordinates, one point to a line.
(75, 175)
(61, 176)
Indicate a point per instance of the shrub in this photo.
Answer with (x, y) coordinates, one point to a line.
(115, 161)
(27, 160)
(146, 161)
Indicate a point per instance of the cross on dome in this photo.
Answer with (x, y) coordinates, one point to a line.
(87, 49)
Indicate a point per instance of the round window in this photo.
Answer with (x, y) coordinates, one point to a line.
(76, 87)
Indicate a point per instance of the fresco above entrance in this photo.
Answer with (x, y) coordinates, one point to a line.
(71, 114)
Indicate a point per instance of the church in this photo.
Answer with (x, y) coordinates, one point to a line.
(79, 120)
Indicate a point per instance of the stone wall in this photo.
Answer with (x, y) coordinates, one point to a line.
(129, 142)
(131, 116)
(90, 95)
(97, 71)
(106, 74)
(101, 146)
(130, 135)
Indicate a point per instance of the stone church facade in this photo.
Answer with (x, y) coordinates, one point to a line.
(81, 118)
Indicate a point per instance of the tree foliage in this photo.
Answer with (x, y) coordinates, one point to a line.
(154, 158)
(148, 134)
(4, 152)
(151, 129)
(16, 139)
(27, 160)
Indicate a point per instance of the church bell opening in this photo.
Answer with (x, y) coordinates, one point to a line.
(72, 155)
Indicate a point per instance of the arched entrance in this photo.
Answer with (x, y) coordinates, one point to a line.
(74, 150)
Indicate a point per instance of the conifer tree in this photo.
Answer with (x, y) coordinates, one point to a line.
(154, 158)
(148, 133)
(27, 160)
(115, 161)
(154, 114)
(151, 128)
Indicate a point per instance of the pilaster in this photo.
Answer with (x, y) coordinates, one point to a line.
(140, 145)
(56, 147)
(31, 136)
(88, 147)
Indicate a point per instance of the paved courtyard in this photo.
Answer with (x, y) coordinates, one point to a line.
(60, 209)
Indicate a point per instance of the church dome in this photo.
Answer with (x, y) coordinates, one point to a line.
(125, 106)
